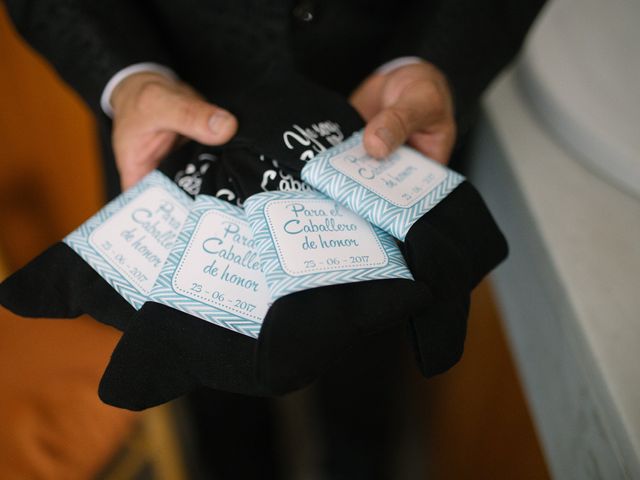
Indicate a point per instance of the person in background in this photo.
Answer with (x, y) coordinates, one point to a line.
(156, 71)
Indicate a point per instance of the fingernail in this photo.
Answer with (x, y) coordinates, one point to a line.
(218, 120)
(386, 136)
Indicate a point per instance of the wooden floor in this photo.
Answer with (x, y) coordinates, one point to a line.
(476, 418)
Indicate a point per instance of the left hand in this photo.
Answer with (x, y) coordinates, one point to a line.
(411, 104)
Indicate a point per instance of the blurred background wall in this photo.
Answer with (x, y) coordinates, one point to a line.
(53, 424)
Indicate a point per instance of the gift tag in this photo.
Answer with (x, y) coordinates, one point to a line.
(128, 241)
(214, 271)
(392, 193)
(306, 240)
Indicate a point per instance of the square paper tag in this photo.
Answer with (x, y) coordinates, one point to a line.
(306, 240)
(214, 272)
(392, 193)
(128, 241)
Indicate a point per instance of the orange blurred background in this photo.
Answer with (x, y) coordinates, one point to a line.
(53, 424)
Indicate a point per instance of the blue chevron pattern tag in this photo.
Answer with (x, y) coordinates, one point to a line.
(392, 193)
(128, 241)
(213, 271)
(306, 240)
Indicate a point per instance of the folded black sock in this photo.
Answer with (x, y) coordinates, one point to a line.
(463, 218)
(165, 353)
(451, 248)
(451, 243)
(306, 331)
(60, 284)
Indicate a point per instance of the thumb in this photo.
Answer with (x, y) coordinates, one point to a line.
(417, 106)
(390, 128)
(196, 119)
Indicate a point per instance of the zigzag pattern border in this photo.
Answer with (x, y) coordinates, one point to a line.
(163, 291)
(78, 240)
(395, 220)
(280, 283)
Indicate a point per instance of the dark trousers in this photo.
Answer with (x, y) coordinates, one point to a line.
(356, 412)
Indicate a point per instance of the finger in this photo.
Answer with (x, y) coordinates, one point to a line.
(366, 98)
(416, 109)
(196, 119)
(136, 162)
(436, 144)
(389, 129)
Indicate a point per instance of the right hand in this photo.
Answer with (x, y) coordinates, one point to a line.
(151, 113)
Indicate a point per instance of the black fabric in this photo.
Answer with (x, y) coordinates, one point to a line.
(60, 284)
(284, 120)
(363, 406)
(287, 117)
(451, 248)
(166, 353)
(89, 42)
(228, 430)
(215, 45)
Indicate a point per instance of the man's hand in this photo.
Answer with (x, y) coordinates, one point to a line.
(410, 104)
(151, 113)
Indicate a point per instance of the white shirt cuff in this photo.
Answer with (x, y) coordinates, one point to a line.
(105, 98)
(396, 63)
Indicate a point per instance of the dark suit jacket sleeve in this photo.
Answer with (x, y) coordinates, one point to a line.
(88, 41)
(469, 40)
